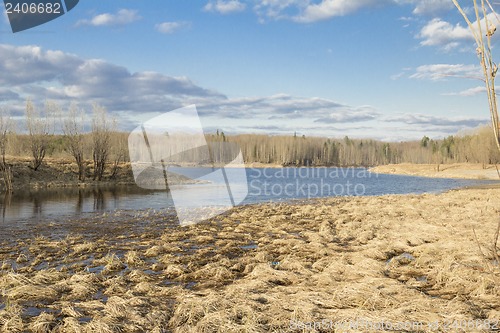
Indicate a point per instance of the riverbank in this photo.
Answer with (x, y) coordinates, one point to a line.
(398, 259)
(455, 170)
(59, 172)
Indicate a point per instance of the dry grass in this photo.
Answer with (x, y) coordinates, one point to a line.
(410, 258)
(454, 170)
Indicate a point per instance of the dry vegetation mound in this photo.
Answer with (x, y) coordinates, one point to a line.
(263, 268)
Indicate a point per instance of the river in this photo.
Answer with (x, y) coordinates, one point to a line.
(260, 185)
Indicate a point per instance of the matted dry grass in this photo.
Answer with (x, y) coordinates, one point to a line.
(264, 268)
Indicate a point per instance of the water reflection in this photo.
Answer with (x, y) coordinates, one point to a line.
(37, 204)
(264, 185)
(7, 199)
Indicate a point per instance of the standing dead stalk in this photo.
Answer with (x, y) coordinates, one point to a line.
(483, 30)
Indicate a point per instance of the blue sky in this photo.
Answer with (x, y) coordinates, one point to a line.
(362, 68)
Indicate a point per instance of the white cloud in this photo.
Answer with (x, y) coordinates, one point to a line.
(308, 11)
(431, 7)
(441, 33)
(41, 74)
(330, 8)
(171, 27)
(422, 119)
(136, 96)
(122, 17)
(278, 9)
(446, 36)
(397, 76)
(32, 71)
(468, 92)
(441, 71)
(225, 6)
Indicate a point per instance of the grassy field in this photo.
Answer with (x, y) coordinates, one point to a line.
(260, 268)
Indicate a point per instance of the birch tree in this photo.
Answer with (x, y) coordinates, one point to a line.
(39, 130)
(73, 128)
(101, 140)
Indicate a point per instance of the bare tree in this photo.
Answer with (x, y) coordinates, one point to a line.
(101, 140)
(73, 128)
(118, 150)
(5, 129)
(40, 129)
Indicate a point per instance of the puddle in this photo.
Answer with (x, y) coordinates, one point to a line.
(95, 270)
(403, 258)
(99, 296)
(251, 246)
(421, 279)
(170, 283)
(151, 272)
(33, 311)
(190, 285)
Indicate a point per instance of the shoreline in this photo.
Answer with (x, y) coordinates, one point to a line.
(61, 173)
(456, 170)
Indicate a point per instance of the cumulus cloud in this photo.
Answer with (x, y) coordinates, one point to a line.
(447, 36)
(441, 71)
(122, 17)
(63, 77)
(443, 34)
(31, 71)
(330, 8)
(422, 119)
(275, 107)
(468, 92)
(27, 64)
(350, 115)
(225, 6)
(308, 11)
(431, 7)
(279, 9)
(171, 27)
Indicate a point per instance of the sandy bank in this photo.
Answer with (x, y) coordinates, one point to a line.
(457, 170)
(263, 268)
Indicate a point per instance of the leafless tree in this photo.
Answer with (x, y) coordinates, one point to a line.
(118, 150)
(40, 129)
(101, 140)
(5, 129)
(74, 129)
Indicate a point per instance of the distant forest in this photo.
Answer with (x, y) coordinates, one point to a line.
(48, 134)
(476, 147)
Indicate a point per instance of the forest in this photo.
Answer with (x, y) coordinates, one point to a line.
(94, 137)
(478, 146)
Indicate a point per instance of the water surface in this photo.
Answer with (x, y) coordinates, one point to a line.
(262, 184)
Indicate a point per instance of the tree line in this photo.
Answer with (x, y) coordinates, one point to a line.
(475, 147)
(93, 141)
